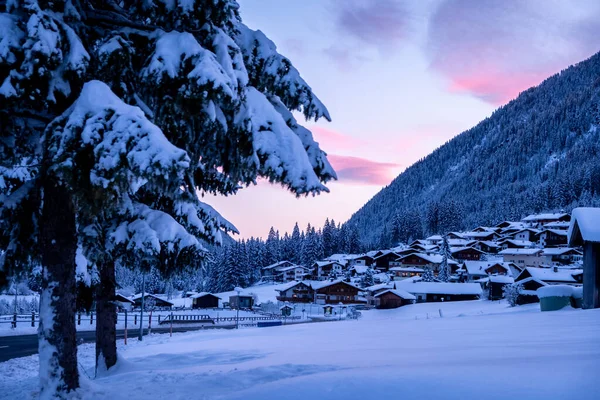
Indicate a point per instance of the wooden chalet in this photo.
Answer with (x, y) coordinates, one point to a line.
(205, 300)
(325, 269)
(541, 219)
(123, 303)
(466, 253)
(488, 246)
(382, 261)
(152, 301)
(338, 291)
(526, 234)
(393, 298)
(442, 291)
(561, 255)
(296, 292)
(553, 238)
(399, 273)
(422, 261)
(496, 285)
(272, 272)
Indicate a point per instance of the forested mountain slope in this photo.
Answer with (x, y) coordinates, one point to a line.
(539, 152)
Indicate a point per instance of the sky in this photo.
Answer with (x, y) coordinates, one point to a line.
(401, 78)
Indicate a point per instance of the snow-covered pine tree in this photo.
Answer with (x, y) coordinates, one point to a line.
(427, 275)
(296, 245)
(230, 96)
(445, 271)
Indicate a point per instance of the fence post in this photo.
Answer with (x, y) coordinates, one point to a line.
(33, 319)
(79, 319)
(135, 319)
(125, 327)
(150, 323)
(171, 329)
(159, 319)
(91, 318)
(14, 322)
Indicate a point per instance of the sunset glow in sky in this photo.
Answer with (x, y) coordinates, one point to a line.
(400, 78)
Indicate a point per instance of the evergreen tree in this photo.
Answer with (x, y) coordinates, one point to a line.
(228, 121)
(445, 272)
(427, 275)
(296, 245)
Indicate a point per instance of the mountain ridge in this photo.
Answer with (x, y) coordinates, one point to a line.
(538, 152)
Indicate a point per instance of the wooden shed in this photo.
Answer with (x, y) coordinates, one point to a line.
(393, 298)
(585, 231)
(205, 300)
(241, 302)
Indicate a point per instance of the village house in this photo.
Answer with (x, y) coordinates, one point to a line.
(515, 244)
(296, 292)
(400, 273)
(553, 238)
(241, 302)
(422, 261)
(487, 235)
(532, 278)
(393, 298)
(382, 261)
(152, 301)
(271, 272)
(488, 246)
(441, 291)
(561, 255)
(527, 234)
(292, 273)
(370, 291)
(123, 303)
(466, 253)
(325, 269)
(361, 260)
(334, 292)
(475, 270)
(205, 300)
(538, 220)
(523, 257)
(434, 240)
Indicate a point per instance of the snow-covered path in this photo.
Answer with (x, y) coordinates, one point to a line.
(489, 351)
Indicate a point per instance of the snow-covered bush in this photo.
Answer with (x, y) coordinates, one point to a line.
(511, 293)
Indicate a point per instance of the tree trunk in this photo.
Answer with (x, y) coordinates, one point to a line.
(106, 312)
(57, 333)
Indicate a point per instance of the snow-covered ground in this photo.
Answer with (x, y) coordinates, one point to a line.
(479, 349)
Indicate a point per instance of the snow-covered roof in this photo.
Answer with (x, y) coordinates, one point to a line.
(557, 251)
(432, 258)
(406, 269)
(519, 243)
(291, 267)
(360, 269)
(120, 297)
(325, 263)
(278, 264)
(559, 232)
(139, 295)
(520, 252)
(552, 274)
(478, 234)
(290, 285)
(544, 217)
(398, 292)
(434, 237)
(457, 249)
(555, 291)
(440, 287)
(490, 243)
(202, 294)
(379, 286)
(557, 225)
(501, 279)
(478, 267)
(324, 284)
(585, 226)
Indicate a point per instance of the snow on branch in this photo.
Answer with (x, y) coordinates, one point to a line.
(279, 154)
(273, 73)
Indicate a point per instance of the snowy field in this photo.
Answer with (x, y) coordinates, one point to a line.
(479, 349)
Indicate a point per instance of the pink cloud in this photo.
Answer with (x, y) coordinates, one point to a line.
(358, 170)
(331, 140)
(496, 49)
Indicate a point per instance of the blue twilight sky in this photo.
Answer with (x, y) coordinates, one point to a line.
(400, 78)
